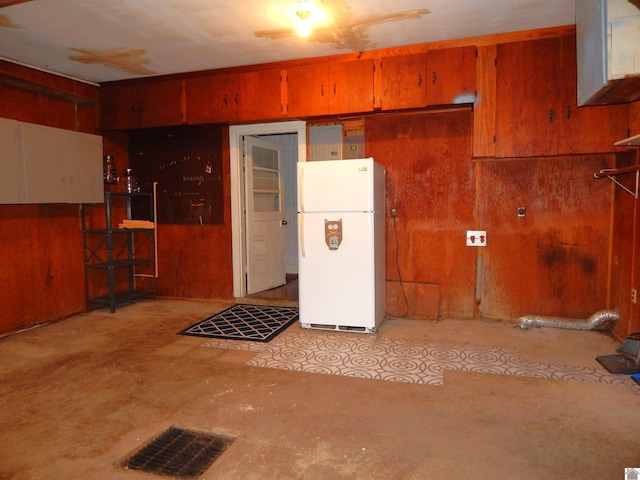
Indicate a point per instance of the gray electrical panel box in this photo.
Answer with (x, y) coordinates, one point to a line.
(325, 142)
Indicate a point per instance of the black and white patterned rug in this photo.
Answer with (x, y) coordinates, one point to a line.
(258, 323)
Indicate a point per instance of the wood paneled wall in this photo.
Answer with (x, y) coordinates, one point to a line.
(431, 183)
(574, 252)
(41, 259)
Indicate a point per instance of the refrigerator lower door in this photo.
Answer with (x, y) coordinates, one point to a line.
(337, 282)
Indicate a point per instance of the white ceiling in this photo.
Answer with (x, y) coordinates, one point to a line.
(104, 40)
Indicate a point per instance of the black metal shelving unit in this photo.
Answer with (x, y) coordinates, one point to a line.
(125, 257)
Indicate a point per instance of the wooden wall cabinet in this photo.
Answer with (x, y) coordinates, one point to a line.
(437, 77)
(236, 97)
(145, 105)
(451, 76)
(587, 129)
(404, 81)
(536, 103)
(330, 88)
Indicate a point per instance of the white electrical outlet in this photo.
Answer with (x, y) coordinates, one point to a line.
(476, 238)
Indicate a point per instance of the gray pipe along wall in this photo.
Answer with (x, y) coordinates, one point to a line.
(594, 322)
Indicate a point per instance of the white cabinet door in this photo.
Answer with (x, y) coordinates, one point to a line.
(49, 165)
(11, 177)
(61, 166)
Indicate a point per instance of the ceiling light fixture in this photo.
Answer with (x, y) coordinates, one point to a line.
(303, 23)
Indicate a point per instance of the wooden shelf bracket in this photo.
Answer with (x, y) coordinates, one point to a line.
(610, 173)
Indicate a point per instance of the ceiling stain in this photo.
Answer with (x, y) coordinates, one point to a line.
(130, 61)
(5, 21)
(347, 33)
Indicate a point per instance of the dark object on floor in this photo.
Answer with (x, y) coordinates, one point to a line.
(619, 364)
(636, 378)
(179, 453)
(259, 323)
(631, 346)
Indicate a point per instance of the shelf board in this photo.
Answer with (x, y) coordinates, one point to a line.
(631, 141)
(120, 263)
(121, 297)
(118, 230)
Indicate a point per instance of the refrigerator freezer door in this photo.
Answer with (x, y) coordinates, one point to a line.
(337, 185)
(337, 270)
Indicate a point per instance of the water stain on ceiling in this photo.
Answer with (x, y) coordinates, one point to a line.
(125, 39)
(6, 22)
(342, 31)
(130, 61)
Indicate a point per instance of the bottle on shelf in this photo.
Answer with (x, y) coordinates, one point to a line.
(129, 183)
(110, 171)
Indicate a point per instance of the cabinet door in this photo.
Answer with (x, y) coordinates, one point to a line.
(258, 95)
(11, 181)
(351, 87)
(160, 104)
(527, 98)
(208, 100)
(142, 105)
(119, 107)
(451, 76)
(634, 119)
(307, 90)
(588, 129)
(404, 81)
(229, 98)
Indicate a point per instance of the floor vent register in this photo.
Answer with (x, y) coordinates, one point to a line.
(179, 453)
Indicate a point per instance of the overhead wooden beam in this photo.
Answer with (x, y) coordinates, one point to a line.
(8, 3)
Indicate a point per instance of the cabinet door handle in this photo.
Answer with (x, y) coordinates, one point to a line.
(334, 88)
(235, 98)
(551, 114)
(419, 80)
(322, 90)
(434, 77)
(568, 112)
(226, 99)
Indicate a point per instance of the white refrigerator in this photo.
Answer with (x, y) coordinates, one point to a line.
(341, 244)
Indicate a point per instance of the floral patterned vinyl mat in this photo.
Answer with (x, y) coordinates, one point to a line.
(381, 358)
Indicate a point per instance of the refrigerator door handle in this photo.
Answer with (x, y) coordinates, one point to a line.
(301, 189)
(301, 235)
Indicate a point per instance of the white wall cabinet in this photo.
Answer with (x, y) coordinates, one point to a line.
(10, 190)
(608, 51)
(49, 165)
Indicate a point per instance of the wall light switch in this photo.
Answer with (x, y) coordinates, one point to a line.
(476, 238)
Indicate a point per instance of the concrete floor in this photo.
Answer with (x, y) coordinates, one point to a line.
(80, 395)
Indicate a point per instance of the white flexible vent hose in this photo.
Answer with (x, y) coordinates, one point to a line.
(594, 322)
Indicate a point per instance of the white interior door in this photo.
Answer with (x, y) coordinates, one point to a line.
(265, 223)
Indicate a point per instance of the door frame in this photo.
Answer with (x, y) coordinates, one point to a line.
(236, 132)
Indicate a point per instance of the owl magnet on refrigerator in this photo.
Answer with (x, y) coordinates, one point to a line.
(333, 233)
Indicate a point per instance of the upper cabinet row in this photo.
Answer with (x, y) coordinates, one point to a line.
(437, 77)
(536, 111)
